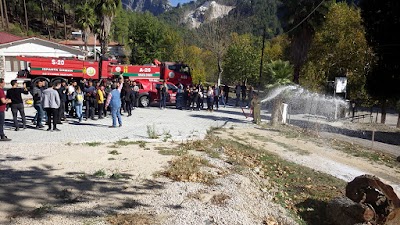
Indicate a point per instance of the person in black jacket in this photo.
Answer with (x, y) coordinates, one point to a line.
(128, 96)
(63, 98)
(37, 92)
(17, 105)
(226, 93)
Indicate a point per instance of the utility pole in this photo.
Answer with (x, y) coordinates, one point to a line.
(262, 58)
(26, 18)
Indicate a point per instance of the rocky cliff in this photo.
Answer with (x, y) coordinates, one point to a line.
(156, 7)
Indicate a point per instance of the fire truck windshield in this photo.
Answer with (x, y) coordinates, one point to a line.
(180, 68)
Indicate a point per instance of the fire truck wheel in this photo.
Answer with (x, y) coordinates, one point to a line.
(144, 101)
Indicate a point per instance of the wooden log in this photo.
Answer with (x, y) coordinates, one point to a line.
(370, 190)
(394, 217)
(344, 211)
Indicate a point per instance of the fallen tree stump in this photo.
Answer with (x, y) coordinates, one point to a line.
(368, 201)
(344, 211)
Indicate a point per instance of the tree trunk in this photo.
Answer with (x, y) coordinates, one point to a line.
(220, 70)
(65, 26)
(296, 74)
(398, 121)
(383, 111)
(343, 211)
(370, 191)
(42, 12)
(55, 20)
(5, 13)
(276, 114)
(3, 25)
(26, 18)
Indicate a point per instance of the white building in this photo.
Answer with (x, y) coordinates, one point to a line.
(12, 46)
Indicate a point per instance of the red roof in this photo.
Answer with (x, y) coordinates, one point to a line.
(91, 42)
(6, 38)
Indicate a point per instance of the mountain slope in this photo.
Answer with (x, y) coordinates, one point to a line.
(156, 7)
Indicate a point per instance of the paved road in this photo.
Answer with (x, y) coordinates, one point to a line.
(181, 124)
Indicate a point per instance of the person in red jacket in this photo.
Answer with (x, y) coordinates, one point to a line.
(3, 103)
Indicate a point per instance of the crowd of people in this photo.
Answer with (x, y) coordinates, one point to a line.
(193, 97)
(54, 101)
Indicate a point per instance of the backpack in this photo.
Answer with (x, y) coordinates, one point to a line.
(79, 97)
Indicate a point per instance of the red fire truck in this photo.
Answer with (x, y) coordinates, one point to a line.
(68, 68)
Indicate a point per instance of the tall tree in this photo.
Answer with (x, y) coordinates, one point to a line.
(151, 39)
(85, 20)
(301, 21)
(241, 60)
(106, 10)
(339, 48)
(216, 38)
(382, 22)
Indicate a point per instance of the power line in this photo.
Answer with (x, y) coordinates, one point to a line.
(305, 18)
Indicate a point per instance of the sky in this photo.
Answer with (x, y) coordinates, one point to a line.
(175, 2)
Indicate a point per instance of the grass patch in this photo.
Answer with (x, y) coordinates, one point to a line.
(213, 130)
(193, 145)
(122, 142)
(117, 176)
(220, 199)
(152, 132)
(82, 176)
(41, 211)
(187, 168)
(111, 158)
(142, 144)
(93, 144)
(366, 153)
(114, 152)
(281, 144)
(168, 151)
(125, 143)
(167, 135)
(133, 219)
(99, 173)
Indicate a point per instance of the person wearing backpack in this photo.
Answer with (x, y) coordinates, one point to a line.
(90, 94)
(78, 102)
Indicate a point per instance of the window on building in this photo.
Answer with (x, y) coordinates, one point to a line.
(14, 65)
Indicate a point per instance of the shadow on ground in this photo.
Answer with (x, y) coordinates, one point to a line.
(313, 212)
(28, 192)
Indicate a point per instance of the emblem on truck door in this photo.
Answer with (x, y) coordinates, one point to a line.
(90, 71)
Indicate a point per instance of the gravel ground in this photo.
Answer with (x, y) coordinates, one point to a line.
(179, 203)
(181, 124)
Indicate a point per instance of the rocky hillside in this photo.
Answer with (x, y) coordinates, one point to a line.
(208, 11)
(156, 7)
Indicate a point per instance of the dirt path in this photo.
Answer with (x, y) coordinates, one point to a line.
(319, 157)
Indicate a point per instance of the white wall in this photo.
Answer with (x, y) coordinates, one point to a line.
(34, 47)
